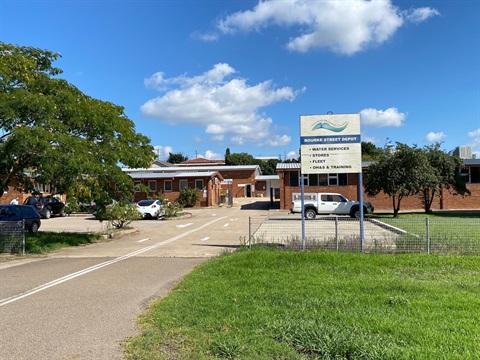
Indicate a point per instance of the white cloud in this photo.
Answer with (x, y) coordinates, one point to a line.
(162, 152)
(225, 105)
(420, 15)
(210, 155)
(292, 155)
(475, 133)
(207, 37)
(345, 27)
(278, 140)
(435, 137)
(371, 139)
(382, 118)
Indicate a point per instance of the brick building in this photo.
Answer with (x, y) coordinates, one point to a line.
(239, 179)
(347, 185)
(170, 184)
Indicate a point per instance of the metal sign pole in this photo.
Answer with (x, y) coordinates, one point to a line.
(302, 187)
(360, 200)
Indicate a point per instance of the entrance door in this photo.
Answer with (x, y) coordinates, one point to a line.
(248, 190)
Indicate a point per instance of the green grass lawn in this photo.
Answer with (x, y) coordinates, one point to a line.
(43, 242)
(270, 304)
(447, 232)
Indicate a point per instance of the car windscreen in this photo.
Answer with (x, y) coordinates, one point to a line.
(145, 202)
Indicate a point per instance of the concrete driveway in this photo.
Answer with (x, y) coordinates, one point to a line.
(82, 302)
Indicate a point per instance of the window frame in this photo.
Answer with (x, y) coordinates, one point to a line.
(165, 182)
(182, 181)
(150, 182)
(196, 187)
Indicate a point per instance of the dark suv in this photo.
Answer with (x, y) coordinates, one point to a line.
(46, 205)
(9, 212)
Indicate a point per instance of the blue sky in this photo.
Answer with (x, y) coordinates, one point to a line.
(198, 77)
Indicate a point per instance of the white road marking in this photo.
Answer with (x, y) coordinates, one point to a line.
(233, 219)
(225, 225)
(65, 278)
(140, 241)
(205, 238)
(184, 225)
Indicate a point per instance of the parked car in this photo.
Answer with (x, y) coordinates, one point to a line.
(151, 209)
(46, 205)
(9, 212)
(328, 203)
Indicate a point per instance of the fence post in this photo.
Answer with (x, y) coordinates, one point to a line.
(249, 232)
(427, 224)
(336, 232)
(23, 236)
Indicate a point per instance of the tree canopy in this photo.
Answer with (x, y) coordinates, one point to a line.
(410, 171)
(370, 152)
(176, 158)
(54, 134)
(268, 167)
(442, 175)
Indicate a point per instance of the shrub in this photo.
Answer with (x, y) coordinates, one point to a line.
(188, 197)
(121, 214)
(71, 206)
(171, 209)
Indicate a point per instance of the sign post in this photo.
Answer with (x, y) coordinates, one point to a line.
(331, 144)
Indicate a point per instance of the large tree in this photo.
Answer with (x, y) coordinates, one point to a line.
(176, 158)
(397, 174)
(239, 159)
(370, 152)
(56, 135)
(268, 167)
(443, 174)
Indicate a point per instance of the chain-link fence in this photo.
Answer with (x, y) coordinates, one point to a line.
(12, 237)
(389, 235)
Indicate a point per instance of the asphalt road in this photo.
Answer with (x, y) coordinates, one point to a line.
(83, 302)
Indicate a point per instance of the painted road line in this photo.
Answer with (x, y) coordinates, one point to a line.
(225, 225)
(205, 238)
(143, 240)
(66, 278)
(184, 225)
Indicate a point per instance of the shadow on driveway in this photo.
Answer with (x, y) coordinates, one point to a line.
(261, 205)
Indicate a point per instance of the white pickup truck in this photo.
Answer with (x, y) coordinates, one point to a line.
(327, 203)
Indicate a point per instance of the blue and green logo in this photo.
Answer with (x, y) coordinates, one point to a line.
(328, 126)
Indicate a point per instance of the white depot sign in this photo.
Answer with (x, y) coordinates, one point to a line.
(330, 144)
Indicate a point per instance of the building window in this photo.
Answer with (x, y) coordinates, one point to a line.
(152, 185)
(465, 174)
(136, 186)
(322, 180)
(332, 179)
(313, 179)
(183, 184)
(294, 178)
(475, 174)
(471, 174)
(167, 185)
(199, 184)
(45, 189)
(325, 179)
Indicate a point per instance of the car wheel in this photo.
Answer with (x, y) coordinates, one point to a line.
(310, 214)
(355, 213)
(47, 214)
(62, 213)
(34, 228)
